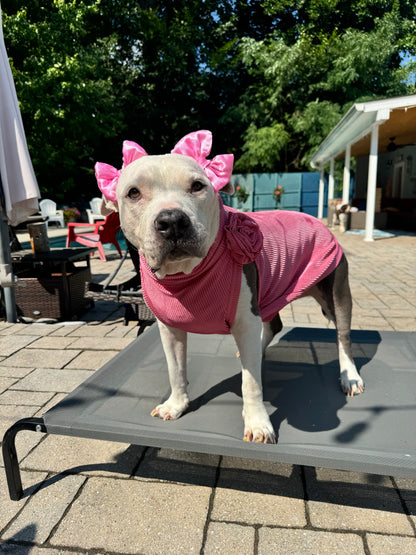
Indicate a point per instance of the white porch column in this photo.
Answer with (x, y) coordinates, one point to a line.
(371, 184)
(347, 175)
(331, 181)
(321, 195)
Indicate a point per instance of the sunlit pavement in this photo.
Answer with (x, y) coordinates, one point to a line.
(103, 497)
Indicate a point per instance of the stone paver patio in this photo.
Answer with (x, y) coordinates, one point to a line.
(89, 496)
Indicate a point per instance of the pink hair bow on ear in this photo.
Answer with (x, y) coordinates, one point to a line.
(197, 145)
(107, 176)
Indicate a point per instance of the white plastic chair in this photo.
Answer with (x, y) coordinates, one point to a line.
(94, 212)
(48, 208)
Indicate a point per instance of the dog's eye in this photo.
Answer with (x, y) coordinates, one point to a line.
(197, 186)
(134, 193)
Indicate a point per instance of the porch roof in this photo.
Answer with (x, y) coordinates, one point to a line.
(397, 119)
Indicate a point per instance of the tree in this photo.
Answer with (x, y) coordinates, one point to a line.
(90, 74)
(269, 78)
(186, 71)
(63, 78)
(323, 56)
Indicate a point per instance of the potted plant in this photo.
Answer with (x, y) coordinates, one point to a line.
(71, 214)
(277, 194)
(241, 194)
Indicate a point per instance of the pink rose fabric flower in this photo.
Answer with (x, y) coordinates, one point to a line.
(243, 237)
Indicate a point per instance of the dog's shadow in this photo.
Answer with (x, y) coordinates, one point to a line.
(293, 394)
(300, 387)
(307, 396)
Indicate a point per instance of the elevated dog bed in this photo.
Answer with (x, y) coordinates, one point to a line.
(316, 424)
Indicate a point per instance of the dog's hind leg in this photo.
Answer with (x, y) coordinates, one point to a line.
(333, 294)
(270, 329)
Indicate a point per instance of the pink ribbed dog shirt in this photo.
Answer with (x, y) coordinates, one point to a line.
(292, 251)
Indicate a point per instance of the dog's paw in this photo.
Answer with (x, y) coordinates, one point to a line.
(258, 430)
(351, 386)
(170, 409)
(259, 437)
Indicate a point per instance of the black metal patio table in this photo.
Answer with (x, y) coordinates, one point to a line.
(51, 284)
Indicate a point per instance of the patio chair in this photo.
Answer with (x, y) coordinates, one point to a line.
(128, 292)
(48, 209)
(101, 233)
(94, 212)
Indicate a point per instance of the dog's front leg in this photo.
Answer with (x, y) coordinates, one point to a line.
(247, 332)
(174, 343)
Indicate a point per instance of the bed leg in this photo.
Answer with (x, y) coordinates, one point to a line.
(11, 463)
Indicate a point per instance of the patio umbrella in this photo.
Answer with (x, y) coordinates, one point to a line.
(19, 191)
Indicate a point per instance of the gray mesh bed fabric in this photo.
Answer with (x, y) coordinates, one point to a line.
(316, 424)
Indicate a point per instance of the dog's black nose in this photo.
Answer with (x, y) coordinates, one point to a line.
(172, 224)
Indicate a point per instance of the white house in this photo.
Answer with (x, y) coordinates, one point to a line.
(381, 135)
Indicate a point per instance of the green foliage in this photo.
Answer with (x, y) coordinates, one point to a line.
(270, 78)
(64, 84)
(312, 124)
(262, 148)
(241, 194)
(312, 72)
(278, 194)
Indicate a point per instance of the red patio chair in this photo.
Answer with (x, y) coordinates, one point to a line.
(102, 232)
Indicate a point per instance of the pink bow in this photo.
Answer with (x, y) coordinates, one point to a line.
(197, 145)
(107, 176)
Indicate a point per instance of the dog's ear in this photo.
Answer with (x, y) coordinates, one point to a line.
(229, 188)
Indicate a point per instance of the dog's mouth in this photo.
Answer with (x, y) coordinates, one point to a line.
(176, 253)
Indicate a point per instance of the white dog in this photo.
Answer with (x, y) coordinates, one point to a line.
(209, 269)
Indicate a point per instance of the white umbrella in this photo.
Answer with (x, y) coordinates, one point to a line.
(20, 191)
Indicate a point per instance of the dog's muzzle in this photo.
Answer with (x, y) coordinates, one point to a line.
(176, 236)
(173, 225)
